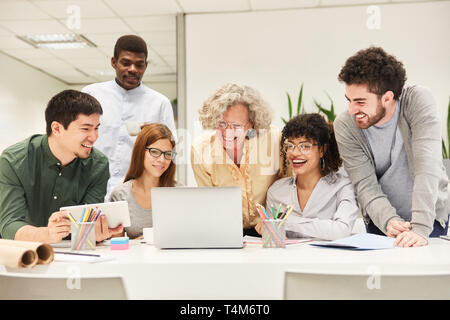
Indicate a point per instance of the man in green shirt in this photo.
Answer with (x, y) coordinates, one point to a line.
(61, 168)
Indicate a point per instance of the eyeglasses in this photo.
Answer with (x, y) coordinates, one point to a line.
(303, 147)
(156, 153)
(235, 126)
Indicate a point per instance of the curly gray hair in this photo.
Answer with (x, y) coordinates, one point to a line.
(229, 95)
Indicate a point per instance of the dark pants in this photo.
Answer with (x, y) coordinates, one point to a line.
(436, 233)
(251, 232)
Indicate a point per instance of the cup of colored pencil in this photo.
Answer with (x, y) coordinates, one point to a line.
(273, 229)
(83, 231)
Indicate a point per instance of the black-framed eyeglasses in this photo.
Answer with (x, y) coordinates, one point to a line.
(156, 153)
(235, 126)
(303, 147)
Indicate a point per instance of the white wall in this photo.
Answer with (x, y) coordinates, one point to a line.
(24, 94)
(169, 89)
(275, 51)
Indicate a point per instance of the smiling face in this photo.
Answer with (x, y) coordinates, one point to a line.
(130, 67)
(79, 137)
(364, 105)
(234, 127)
(157, 166)
(303, 162)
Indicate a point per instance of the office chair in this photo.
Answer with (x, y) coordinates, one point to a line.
(319, 286)
(44, 287)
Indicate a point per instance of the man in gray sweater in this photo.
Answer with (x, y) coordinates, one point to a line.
(390, 143)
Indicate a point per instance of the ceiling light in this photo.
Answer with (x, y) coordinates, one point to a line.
(58, 41)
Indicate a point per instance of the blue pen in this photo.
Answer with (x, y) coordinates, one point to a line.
(82, 214)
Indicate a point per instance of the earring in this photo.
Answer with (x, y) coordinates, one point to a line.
(322, 163)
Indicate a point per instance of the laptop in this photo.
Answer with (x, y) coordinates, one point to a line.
(203, 217)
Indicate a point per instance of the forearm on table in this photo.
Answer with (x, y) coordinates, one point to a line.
(30, 233)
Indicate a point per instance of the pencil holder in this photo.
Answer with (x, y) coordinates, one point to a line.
(82, 236)
(273, 234)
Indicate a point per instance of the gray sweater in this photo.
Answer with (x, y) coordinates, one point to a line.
(140, 218)
(420, 127)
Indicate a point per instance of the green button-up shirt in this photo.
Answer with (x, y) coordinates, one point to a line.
(33, 184)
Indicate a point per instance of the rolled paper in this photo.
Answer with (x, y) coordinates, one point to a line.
(44, 252)
(17, 257)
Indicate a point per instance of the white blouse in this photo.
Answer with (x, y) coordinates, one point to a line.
(329, 214)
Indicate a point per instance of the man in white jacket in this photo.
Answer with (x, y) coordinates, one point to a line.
(390, 143)
(127, 102)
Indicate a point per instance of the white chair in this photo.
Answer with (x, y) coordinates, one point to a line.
(320, 286)
(43, 287)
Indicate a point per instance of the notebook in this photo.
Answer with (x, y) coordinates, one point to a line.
(204, 217)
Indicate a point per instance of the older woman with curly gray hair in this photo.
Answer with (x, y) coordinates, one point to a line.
(239, 147)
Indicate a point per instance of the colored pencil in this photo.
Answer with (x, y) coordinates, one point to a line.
(89, 228)
(278, 211)
(272, 227)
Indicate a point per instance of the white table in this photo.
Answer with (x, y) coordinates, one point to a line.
(248, 273)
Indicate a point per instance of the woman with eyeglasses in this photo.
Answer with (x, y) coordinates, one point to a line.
(152, 165)
(238, 148)
(323, 200)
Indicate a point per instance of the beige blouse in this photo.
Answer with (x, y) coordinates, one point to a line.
(260, 166)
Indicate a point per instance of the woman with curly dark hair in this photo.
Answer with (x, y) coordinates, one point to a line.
(323, 201)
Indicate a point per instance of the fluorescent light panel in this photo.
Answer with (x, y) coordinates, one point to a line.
(58, 41)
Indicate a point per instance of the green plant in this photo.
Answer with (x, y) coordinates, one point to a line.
(446, 151)
(329, 113)
(300, 106)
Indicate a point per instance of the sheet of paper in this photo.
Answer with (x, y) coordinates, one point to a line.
(359, 241)
(79, 258)
(61, 244)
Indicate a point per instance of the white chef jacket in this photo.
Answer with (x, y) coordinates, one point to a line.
(119, 105)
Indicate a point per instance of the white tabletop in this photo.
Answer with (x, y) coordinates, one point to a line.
(249, 273)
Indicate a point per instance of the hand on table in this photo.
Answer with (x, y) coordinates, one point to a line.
(410, 239)
(396, 227)
(58, 226)
(258, 227)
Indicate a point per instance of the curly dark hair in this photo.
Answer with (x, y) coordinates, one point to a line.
(373, 66)
(313, 126)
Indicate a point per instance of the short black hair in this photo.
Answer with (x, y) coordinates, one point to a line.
(67, 105)
(131, 43)
(379, 70)
(313, 126)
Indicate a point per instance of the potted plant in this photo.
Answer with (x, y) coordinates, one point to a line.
(300, 106)
(329, 113)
